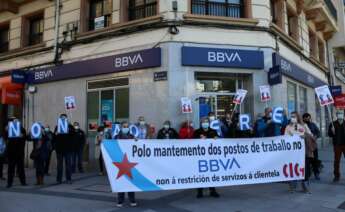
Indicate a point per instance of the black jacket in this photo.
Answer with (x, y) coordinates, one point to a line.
(339, 136)
(210, 133)
(64, 142)
(167, 134)
(79, 139)
(16, 146)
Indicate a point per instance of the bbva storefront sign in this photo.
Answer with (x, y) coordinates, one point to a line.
(147, 58)
(216, 57)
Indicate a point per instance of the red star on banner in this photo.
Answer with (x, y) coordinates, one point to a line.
(124, 167)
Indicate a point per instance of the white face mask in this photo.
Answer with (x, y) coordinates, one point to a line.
(212, 118)
(142, 123)
(294, 120)
(340, 116)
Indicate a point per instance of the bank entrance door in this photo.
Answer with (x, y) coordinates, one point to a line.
(215, 92)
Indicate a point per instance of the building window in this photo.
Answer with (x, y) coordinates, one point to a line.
(138, 9)
(321, 47)
(293, 25)
(227, 8)
(303, 102)
(36, 30)
(291, 97)
(313, 45)
(4, 38)
(100, 14)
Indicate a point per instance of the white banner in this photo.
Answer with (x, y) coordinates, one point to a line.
(153, 165)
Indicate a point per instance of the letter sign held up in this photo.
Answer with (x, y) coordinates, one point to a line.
(277, 115)
(244, 122)
(115, 130)
(134, 130)
(62, 127)
(14, 129)
(36, 131)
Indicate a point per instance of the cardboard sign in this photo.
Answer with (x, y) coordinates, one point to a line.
(324, 95)
(239, 97)
(62, 127)
(14, 129)
(277, 115)
(115, 128)
(244, 122)
(186, 105)
(70, 103)
(339, 101)
(36, 131)
(134, 130)
(265, 93)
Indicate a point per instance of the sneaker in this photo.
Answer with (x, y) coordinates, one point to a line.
(119, 205)
(214, 194)
(133, 204)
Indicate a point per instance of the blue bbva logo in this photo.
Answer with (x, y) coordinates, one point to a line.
(218, 165)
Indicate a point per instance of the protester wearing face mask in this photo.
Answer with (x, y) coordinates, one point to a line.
(50, 146)
(98, 140)
(202, 133)
(269, 129)
(79, 141)
(226, 126)
(143, 128)
(125, 134)
(186, 130)
(297, 127)
(337, 132)
(315, 163)
(167, 132)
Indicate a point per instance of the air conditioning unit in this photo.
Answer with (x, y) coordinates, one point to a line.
(99, 22)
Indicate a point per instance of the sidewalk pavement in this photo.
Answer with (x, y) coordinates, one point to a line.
(90, 192)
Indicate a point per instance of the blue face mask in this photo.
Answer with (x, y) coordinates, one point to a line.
(205, 125)
(125, 130)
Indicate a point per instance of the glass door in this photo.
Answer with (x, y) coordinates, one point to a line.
(107, 107)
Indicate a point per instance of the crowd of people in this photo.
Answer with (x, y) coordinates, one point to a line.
(69, 147)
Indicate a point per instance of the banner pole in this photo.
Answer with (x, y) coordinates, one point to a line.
(330, 115)
(232, 114)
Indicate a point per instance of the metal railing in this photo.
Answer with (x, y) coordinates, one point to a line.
(203, 7)
(136, 12)
(331, 8)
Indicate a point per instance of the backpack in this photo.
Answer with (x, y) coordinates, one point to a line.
(2, 147)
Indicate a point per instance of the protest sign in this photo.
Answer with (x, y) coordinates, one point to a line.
(239, 96)
(153, 165)
(186, 105)
(70, 103)
(14, 129)
(324, 95)
(265, 93)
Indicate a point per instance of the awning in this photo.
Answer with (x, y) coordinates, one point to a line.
(11, 93)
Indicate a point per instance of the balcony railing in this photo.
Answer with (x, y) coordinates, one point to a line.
(142, 11)
(202, 7)
(332, 9)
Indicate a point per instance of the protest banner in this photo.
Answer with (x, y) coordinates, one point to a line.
(154, 165)
(239, 96)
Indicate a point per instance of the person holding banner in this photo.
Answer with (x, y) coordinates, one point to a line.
(297, 127)
(336, 131)
(16, 139)
(125, 134)
(64, 148)
(143, 128)
(167, 132)
(202, 133)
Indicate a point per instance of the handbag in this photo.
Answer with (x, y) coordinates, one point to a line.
(34, 154)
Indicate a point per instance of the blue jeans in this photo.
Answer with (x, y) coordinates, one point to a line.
(61, 158)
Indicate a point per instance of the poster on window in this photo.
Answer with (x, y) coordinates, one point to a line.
(324, 95)
(239, 96)
(186, 105)
(70, 103)
(107, 112)
(265, 93)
